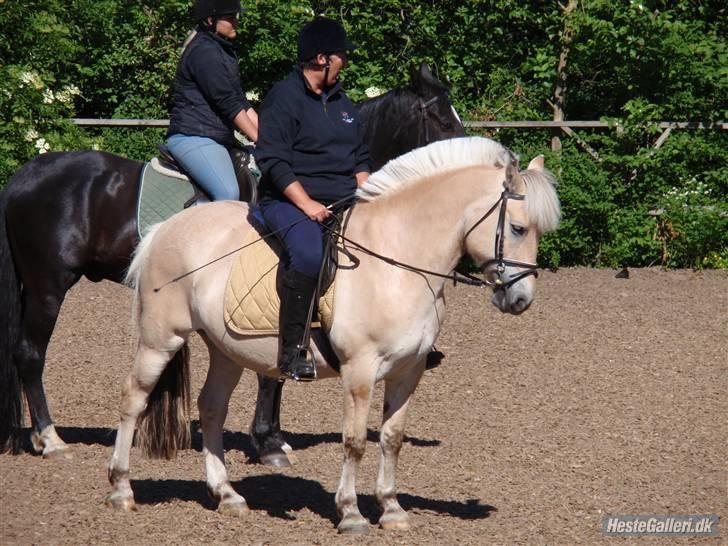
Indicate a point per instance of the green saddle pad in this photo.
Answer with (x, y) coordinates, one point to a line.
(160, 196)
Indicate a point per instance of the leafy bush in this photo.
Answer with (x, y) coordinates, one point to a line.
(632, 64)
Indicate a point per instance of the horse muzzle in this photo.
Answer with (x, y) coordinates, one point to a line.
(511, 293)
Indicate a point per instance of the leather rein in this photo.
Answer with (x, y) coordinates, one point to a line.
(496, 265)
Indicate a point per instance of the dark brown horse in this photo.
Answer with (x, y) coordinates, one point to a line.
(71, 214)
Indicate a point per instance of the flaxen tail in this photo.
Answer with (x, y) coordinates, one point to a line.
(164, 426)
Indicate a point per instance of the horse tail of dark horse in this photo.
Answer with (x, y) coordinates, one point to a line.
(164, 426)
(11, 400)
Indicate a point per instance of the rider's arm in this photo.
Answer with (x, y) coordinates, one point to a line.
(310, 207)
(219, 84)
(245, 123)
(361, 177)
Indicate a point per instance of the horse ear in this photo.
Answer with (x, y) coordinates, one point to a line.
(537, 163)
(425, 72)
(423, 82)
(416, 77)
(513, 182)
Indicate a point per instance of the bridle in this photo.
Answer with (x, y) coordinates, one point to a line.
(422, 106)
(499, 262)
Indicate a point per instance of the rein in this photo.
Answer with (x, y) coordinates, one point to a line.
(499, 261)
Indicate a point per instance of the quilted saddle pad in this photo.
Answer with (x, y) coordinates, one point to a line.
(160, 196)
(252, 304)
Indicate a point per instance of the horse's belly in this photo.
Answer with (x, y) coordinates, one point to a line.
(260, 354)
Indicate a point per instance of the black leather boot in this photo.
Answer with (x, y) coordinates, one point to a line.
(297, 292)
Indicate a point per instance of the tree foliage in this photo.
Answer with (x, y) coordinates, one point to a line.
(631, 63)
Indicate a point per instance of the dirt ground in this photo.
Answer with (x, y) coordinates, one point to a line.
(607, 397)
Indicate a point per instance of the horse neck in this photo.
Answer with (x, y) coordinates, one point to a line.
(421, 225)
(379, 116)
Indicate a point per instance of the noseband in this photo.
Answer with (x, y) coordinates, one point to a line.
(499, 261)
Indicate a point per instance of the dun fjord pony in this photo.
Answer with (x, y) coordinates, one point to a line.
(66, 215)
(425, 209)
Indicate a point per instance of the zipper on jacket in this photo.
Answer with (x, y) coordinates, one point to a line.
(324, 100)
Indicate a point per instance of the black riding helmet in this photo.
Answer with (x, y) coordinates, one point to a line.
(322, 36)
(214, 8)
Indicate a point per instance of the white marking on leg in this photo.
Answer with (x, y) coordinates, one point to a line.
(148, 366)
(222, 378)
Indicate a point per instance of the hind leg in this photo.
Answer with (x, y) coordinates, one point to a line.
(148, 367)
(41, 305)
(222, 378)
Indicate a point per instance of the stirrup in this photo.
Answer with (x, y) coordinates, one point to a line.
(287, 373)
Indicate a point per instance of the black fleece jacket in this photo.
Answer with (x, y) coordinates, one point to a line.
(207, 90)
(315, 139)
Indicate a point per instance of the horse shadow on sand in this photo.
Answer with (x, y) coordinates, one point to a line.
(276, 494)
(279, 495)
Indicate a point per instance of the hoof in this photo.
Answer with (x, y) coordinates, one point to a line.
(125, 504)
(395, 521)
(353, 525)
(61, 454)
(233, 509)
(279, 459)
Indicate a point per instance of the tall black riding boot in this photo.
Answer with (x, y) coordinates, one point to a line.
(297, 293)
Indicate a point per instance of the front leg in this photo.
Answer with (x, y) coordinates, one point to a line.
(358, 386)
(397, 396)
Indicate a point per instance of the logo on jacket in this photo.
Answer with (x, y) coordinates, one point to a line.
(346, 118)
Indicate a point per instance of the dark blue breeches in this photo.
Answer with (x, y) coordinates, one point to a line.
(302, 237)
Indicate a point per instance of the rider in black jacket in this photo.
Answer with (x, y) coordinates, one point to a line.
(311, 154)
(209, 101)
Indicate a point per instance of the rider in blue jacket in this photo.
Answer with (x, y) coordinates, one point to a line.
(311, 154)
(209, 101)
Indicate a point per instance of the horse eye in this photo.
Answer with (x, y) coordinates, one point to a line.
(519, 231)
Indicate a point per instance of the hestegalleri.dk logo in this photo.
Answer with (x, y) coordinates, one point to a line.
(694, 525)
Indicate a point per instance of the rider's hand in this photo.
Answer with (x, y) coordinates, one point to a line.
(310, 207)
(315, 210)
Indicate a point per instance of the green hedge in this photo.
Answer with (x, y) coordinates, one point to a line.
(631, 63)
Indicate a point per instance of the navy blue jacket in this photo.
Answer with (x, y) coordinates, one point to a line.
(315, 139)
(207, 90)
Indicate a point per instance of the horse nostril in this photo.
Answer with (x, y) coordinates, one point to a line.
(520, 305)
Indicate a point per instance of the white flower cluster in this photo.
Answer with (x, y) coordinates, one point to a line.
(692, 186)
(252, 96)
(42, 145)
(373, 91)
(31, 78)
(64, 96)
